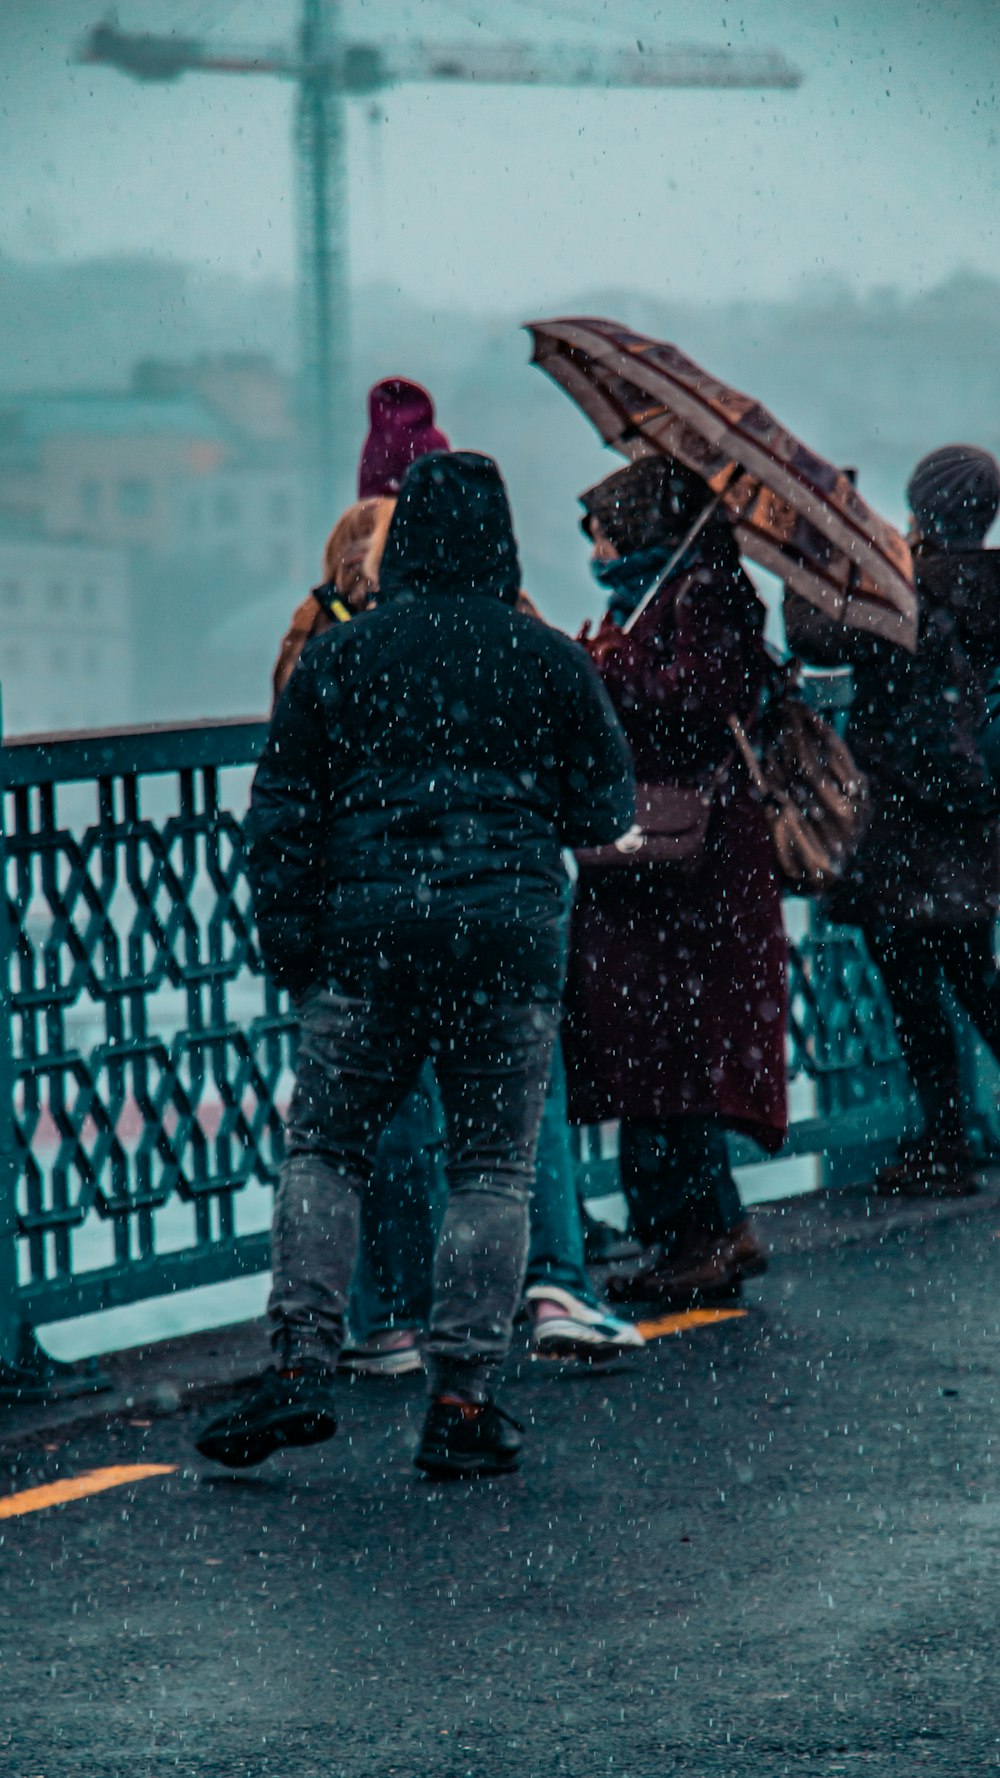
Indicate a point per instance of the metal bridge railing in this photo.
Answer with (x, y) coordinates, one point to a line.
(145, 1059)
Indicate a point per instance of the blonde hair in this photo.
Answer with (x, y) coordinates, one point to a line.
(376, 543)
(354, 547)
(351, 560)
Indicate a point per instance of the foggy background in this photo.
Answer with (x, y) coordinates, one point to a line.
(834, 250)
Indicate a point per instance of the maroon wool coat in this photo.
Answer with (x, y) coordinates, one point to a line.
(677, 991)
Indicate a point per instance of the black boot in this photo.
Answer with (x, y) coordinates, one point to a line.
(468, 1438)
(293, 1407)
(601, 1242)
(930, 1167)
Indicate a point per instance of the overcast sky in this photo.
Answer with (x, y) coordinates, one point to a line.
(881, 169)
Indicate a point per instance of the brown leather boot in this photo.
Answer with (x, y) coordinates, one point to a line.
(706, 1271)
(720, 1265)
(747, 1250)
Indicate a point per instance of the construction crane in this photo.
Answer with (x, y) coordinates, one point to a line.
(328, 70)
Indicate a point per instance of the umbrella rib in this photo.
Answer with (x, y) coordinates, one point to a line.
(795, 514)
(734, 427)
(677, 555)
(854, 541)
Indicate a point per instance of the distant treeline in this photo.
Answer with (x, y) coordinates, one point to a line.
(870, 381)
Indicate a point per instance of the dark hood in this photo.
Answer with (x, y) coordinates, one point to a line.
(964, 583)
(648, 507)
(451, 531)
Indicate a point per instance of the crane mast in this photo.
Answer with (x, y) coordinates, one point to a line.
(328, 69)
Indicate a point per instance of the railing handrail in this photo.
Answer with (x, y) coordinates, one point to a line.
(70, 756)
(73, 756)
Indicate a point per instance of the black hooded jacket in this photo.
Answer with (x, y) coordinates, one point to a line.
(930, 854)
(428, 762)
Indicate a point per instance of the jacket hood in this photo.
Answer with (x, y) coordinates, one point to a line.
(966, 584)
(452, 531)
(648, 504)
(647, 509)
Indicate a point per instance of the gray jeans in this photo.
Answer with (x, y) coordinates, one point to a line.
(358, 1059)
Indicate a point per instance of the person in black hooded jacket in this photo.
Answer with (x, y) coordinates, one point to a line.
(924, 885)
(426, 766)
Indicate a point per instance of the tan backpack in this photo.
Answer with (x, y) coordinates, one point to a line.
(814, 796)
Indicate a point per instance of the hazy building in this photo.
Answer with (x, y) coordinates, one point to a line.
(248, 517)
(66, 655)
(246, 391)
(189, 479)
(103, 468)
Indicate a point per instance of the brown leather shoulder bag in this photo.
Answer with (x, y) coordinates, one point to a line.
(671, 828)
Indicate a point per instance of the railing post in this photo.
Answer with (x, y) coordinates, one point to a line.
(980, 1083)
(10, 1326)
(27, 1372)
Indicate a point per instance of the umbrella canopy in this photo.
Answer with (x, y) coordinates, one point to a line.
(795, 514)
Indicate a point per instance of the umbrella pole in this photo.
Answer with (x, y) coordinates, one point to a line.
(685, 544)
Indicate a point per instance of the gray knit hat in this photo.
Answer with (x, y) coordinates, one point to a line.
(954, 494)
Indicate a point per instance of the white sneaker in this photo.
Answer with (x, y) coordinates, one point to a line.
(564, 1326)
(392, 1353)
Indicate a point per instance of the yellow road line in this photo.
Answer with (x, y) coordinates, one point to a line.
(671, 1324)
(77, 1487)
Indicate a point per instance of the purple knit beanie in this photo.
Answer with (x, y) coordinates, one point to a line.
(401, 429)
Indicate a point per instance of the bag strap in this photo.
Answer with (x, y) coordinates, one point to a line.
(750, 758)
(783, 675)
(329, 601)
(680, 552)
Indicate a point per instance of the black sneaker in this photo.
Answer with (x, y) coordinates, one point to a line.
(468, 1438)
(284, 1408)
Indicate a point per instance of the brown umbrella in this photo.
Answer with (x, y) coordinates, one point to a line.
(794, 513)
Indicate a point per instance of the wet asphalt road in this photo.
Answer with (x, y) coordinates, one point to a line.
(770, 1546)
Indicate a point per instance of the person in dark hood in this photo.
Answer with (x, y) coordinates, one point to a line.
(402, 1208)
(924, 886)
(676, 995)
(391, 1296)
(426, 765)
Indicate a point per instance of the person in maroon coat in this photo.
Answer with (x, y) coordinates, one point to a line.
(677, 990)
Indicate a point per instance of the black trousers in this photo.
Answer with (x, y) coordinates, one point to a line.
(916, 965)
(677, 1179)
